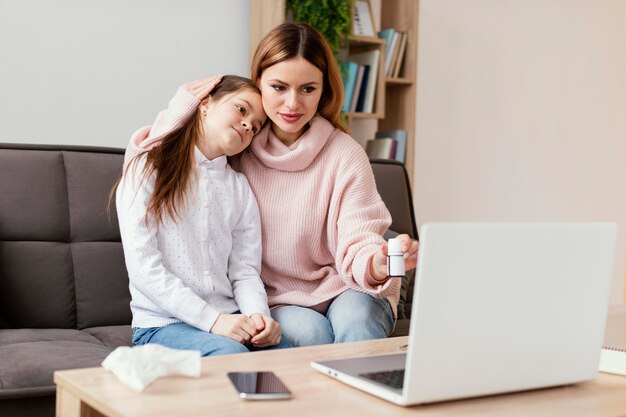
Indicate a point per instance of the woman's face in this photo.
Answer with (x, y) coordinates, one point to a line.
(230, 122)
(291, 91)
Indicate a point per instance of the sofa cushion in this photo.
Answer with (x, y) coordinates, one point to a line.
(61, 259)
(401, 328)
(392, 183)
(112, 336)
(34, 196)
(28, 365)
(88, 195)
(36, 285)
(14, 336)
(102, 295)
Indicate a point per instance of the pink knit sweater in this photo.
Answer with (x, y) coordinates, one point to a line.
(322, 218)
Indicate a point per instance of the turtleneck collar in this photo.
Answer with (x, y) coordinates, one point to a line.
(297, 157)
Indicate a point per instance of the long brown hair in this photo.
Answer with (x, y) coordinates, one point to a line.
(290, 40)
(172, 158)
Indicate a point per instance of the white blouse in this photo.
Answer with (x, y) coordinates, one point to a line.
(205, 262)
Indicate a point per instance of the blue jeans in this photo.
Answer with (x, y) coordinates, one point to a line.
(184, 336)
(352, 316)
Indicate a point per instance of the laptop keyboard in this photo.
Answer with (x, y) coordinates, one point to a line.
(393, 379)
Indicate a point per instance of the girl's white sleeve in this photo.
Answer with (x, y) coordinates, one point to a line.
(144, 259)
(244, 263)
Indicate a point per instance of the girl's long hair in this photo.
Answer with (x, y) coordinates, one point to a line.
(290, 40)
(172, 159)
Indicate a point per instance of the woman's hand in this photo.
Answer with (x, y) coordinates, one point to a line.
(236, 326)
(270, 335)
(378, 265)
(201, 88)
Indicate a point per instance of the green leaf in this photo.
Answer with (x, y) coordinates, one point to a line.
(332, 18)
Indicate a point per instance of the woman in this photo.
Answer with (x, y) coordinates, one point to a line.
(190, 228)
(324, 258)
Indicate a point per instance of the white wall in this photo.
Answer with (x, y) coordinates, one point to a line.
(521, 113)
(90, 72)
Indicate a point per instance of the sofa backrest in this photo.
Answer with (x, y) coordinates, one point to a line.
(394, 188)
(61, 258)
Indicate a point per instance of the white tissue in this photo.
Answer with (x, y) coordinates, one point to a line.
(139, 366)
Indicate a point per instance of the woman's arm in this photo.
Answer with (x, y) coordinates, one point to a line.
(180, 108)
(361, 220)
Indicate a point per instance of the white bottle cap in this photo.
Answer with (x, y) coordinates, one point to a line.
(395, 246)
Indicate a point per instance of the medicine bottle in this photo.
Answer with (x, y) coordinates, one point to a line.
(395, 259)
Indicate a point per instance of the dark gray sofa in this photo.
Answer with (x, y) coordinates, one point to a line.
(64, 298)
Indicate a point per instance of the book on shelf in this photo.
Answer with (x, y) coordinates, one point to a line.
(362, 22)
(400, 136)
(395, 73)
(370, 58)
(380, 148)
(360, 103)
(358, 86)
(395, 49)
(393, 53)
(348, 75)
(387, 35)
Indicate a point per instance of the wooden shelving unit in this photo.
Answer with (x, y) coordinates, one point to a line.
(394, 104)
(401, 92)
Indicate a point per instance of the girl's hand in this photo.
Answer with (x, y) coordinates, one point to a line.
(236, 326)
(270, 335)
(201, 88)
(378, 265)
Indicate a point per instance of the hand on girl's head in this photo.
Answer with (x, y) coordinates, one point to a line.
(201, 88)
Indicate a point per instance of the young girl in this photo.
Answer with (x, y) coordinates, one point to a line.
(190, 227)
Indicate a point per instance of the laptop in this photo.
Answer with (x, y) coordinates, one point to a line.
(497, 308)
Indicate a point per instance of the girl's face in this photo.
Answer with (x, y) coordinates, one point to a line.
(230, 123)
(291, 92)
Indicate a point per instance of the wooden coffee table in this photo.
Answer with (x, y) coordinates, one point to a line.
(97, 392)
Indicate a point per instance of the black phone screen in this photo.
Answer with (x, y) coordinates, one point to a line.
(259, 385)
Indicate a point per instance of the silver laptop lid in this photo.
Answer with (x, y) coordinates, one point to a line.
(506, 307)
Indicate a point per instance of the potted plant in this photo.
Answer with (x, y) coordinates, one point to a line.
(331, 17)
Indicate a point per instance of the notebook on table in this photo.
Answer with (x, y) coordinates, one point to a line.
(613, 360)
(497, 308)
(613, 356)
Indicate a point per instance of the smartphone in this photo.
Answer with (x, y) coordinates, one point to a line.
(259, 386)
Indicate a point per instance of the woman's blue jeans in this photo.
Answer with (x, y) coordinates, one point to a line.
(352, 316)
